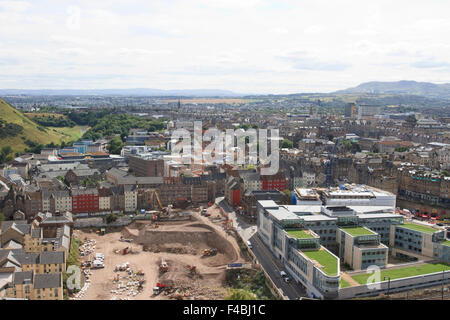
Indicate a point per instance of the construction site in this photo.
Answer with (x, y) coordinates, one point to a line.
(173, 255)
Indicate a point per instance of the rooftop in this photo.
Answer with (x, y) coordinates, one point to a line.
(405, 272)
(419, 227)
(324, 260)
(358, 231)
(300, 234)
(281, 214)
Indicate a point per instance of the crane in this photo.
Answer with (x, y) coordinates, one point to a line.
(330, 160)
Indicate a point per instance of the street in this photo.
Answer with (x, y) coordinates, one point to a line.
(265, 258)
(273, 267)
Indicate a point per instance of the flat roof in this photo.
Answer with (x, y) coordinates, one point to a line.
(367, 209)
(318, 217)
(305, 208)
(358, 231)
(379, 215)
(300, 234)
(324, 260)
(268, 203)
(418, 227)
(282, 214)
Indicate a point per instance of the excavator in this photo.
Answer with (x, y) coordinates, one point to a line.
(192, 270)
(154, 195)
(209, 252)
(163, 267)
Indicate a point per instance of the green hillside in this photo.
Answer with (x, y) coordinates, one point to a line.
(12, 136)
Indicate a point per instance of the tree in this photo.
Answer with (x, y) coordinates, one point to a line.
(87, 182)
(287, 192)
(401, 149)
(241, 294)
(287, 144)
(111, 218)
(115, 145)
(5, 154)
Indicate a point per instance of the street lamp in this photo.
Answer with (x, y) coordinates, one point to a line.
(389, 284)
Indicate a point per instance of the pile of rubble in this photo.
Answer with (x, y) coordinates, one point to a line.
(131, 284)
(187, 292)
(80, 294)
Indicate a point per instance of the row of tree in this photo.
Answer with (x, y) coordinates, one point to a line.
(120, 124)
(52, 121)
(9, 129)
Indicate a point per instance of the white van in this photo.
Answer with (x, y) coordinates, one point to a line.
(249, 244)
(98, 264)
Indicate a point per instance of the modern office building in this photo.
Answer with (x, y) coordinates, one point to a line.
(312, 238)
(299, 249)
(360, 247)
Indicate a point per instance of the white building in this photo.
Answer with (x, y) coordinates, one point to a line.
(362, 195)
(62, 201)
(130, 198)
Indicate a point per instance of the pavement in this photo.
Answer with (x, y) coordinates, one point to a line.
(245, 230)
(269, 263)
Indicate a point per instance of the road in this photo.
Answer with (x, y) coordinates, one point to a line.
(273, 267)
(244, 229)
(270, 264)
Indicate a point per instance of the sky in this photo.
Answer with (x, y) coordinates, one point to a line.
(246, 46)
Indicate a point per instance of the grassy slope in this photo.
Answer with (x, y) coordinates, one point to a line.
(31, 131)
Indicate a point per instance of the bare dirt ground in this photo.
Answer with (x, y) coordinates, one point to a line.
(180, 243)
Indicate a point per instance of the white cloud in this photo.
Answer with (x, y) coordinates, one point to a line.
(14, 6)
(246, 46)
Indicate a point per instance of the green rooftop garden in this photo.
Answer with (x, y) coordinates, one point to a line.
(343, 283)
(358, 231)
(299, 234)
(328, 262)
(404, 272)
(446, 243)
(418, 227)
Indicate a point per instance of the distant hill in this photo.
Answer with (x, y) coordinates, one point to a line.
(30, 130)
(426, 89)
(124, 92)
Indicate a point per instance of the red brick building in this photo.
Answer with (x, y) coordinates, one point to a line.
(233, 191)
(272, 182)
(85, 200)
